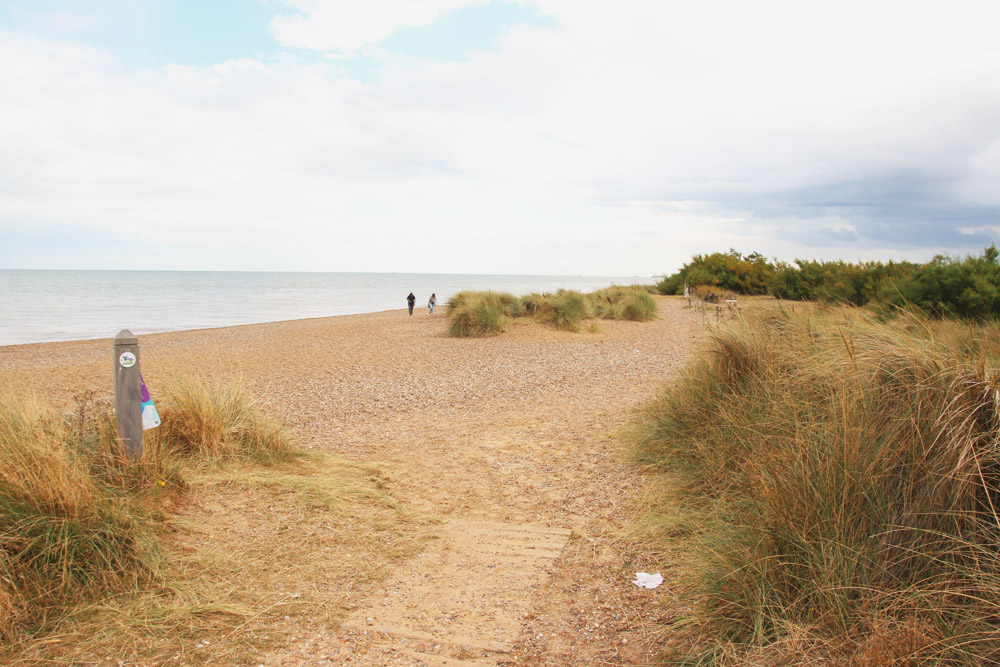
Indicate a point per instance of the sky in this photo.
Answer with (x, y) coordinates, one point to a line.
(494, 136)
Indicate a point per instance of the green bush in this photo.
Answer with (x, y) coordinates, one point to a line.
(732, 271)
(968, 288)
(837, 481)
(836, 282)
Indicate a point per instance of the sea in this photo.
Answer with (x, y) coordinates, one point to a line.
(38, 306)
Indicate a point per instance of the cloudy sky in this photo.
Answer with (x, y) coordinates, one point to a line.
(479, 136)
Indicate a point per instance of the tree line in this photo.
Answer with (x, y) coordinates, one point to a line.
(945, 286)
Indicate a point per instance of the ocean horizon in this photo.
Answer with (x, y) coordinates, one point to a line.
(48, 305)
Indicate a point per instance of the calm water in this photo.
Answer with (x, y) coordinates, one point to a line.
(42, 306)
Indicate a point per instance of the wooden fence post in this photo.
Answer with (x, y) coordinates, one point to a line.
(128, 399)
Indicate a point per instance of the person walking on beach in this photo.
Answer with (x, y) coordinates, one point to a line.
(432, 302)
(410, 300)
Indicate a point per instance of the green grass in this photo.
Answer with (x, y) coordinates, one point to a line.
(835, 483)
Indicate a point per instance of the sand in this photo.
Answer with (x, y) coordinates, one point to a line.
(507, 443)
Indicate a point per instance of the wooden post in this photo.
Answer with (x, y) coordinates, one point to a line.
(128, 398)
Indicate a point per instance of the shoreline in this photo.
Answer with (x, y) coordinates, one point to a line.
(59, 371)
(208, 328)
(69, 306)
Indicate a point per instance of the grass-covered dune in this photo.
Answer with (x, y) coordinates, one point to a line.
(835, 482)
(78, 519)
(473, 314)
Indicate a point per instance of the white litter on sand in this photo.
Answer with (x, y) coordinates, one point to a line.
(644, 580)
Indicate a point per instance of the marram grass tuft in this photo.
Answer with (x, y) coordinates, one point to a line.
(473, 314)
(64, 535)
(78, 519)
(845, 477)
(219, 421)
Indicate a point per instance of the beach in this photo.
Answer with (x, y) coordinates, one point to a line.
(480, 436)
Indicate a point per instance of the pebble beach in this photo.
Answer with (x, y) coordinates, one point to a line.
(513, 430)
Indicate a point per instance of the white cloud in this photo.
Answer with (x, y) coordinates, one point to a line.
(619, 142)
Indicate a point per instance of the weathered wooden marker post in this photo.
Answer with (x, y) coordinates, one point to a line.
(128, 394)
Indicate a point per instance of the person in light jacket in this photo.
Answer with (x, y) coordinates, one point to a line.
(433, 302)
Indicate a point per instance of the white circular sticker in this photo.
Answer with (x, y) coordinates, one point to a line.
(127, 360)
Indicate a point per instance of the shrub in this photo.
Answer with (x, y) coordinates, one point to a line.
(836, 282)
(708, 294)
(968, 288)
(843, 476)
(750, 274)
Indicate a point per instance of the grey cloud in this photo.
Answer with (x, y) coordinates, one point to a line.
(906, 210)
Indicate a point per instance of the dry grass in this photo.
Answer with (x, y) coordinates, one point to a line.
(836, 480)
(474, 314)
(83, 532)
(64, 533)
(257, 556)
(624, 303)
(216, 420)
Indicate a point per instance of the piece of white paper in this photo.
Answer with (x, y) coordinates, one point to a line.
(643, 580)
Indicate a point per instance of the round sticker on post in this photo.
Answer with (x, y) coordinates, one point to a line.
(127, 360)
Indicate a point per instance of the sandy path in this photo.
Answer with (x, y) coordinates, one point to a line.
(508, 441)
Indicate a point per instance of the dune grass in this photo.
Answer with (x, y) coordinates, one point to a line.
(78, 519)
(64, 532)
(215, 420)
(96, 561)
(473, 314)
(624, 303)
(564, 310)
(835, 482)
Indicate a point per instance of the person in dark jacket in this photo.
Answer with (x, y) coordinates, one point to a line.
(410, 300)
